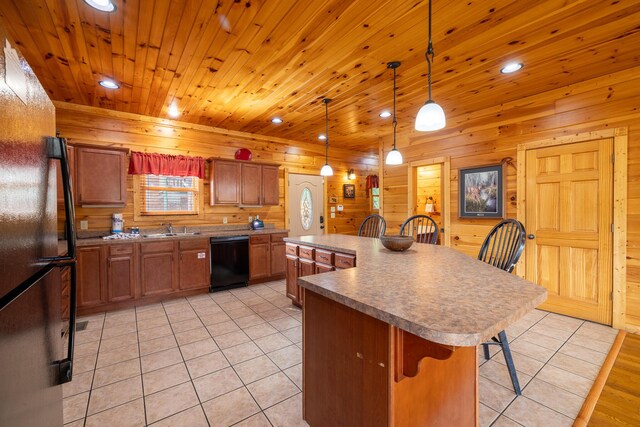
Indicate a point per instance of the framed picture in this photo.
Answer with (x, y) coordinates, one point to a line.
(349, 191)
(375, 203)
(333, 199)
(481, 192)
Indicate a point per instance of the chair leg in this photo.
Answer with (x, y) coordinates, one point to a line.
(485, 347)
(504, 343)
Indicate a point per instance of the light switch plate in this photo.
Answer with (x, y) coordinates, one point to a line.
(84, 225)
(333, 208)
(224, 219)
(333, 214)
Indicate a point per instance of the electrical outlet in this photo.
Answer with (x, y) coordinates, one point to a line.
(224, 219)
(84, 225)
(333, 214)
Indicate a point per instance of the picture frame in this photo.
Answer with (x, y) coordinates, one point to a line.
(481, 192)
(349, 191)
(333, 199)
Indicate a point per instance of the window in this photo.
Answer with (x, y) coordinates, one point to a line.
(168, 195)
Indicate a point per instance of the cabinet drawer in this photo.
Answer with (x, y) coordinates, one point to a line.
(292, 249)
(261, 238)
(278, 237)
(152, 247)
(120, 249)
(324, 257)
(305, 252)
(194, 244)
(345, 261)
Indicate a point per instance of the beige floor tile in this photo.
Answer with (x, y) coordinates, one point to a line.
(130, 414)
(553, 397)
(158, 344)
(75, 407)
(223, 328)
(565, 380)
(597, 329)
(259, 331)
(262, 307)
(118, 355)
(223, 296)
(179, 305)
(87, 349)
(216, 384)
(294, 334)
(79, 384)
(287, 413)
(503, 421)
(231, 305)
(84, 363)
(576, 366)
(285, 323)
(118, 372)
(567, 324)
(242, 352)
(86, 336)
(494, 395)
(116, 331)
(273, 342)
(192, 335)
(487, 415)
(255, 369)
(272, 389)
(181, 316)
(77, 423)
(111, 344)
(250, 320)
(529, 413)
(231, 339)
(164, 378)
(158, 360)
(286, 357)
(154, 311)
(552, 332)
(295, 374)
(532, 350)
(542, 340)
(230, 408)
(206, 364)
(523, 363)
(582, 353)
(170, 401)
(274, 314)
(115, 394)
(193, 417)
(258, 420)
(153, 333)
(498, 373)
(152, 322)
(198, 348)
(186, 325)
(591, 344)
(237, 313)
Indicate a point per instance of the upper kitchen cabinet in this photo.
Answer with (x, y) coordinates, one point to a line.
(101, 176)
(244, 183)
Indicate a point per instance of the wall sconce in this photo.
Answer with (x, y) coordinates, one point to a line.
(351, 174)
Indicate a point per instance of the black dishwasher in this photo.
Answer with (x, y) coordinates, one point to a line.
(229, 262)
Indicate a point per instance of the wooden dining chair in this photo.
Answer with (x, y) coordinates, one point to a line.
(373, 226)
(502, 249)
(422, 228)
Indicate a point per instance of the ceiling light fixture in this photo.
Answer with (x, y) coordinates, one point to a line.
(109, 84)
(431, 115)
(394, 157)
(276, 120)
(102, 5)
(512, 67)
(322, 137)
(385, 114)
(351, 174)
(326, 169)
(173, 111)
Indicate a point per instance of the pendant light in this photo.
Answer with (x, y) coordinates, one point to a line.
(431, 115)
(394, 157)
(326, 169)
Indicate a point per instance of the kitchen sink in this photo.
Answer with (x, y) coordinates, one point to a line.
(161, 235)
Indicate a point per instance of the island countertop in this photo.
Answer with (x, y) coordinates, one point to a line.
(434, 292)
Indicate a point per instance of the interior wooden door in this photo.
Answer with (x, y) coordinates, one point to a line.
(569, 225)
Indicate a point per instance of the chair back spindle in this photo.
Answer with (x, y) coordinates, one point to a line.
(504, 245)
(373, 226)
(422, 228)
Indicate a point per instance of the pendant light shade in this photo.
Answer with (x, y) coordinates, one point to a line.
(326, 169)
(431, 115)
(394, 157)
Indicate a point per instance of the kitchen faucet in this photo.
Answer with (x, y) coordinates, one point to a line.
(169, 227)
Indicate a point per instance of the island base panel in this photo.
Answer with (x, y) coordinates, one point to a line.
(361, 371)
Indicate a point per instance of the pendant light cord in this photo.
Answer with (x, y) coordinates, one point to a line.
(429, 54)
(326, 132)
(395, 122)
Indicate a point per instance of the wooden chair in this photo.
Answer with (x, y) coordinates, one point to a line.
(422, 228)
(373, 226)
(502, 249)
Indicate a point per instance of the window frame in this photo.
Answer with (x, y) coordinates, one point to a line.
(139, 199)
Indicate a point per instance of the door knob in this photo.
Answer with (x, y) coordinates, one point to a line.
(531, 236)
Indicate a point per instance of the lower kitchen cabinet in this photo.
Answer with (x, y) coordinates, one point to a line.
(157, 268)
(293, 291)
(121, 273)
(267, 257)
(278, 261)
(90, 276)
(194, 269)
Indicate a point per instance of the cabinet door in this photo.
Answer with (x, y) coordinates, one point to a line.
(100, 176)
(156, 273)
(270, 185)
(278, 261)
(225, 183)
(292, 278)
(194, 269)
(307, 268)
(90, 277)
(251, 188)
(121, 278)
(259, 260)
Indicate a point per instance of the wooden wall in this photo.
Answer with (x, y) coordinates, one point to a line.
(489, 136)
(89, 125)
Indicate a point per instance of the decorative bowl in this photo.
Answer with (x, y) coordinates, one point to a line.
(396, 243)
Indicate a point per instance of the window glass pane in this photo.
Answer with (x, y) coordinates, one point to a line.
(160, 193)
(170, 181)
(306, 209)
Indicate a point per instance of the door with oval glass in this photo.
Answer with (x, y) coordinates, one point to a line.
(306, 205)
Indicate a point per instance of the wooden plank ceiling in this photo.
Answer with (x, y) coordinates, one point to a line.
(236, 64)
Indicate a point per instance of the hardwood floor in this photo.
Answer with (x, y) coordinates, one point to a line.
(619, 403)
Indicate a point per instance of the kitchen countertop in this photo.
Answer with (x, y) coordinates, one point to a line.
(206, 234)
(432, 291)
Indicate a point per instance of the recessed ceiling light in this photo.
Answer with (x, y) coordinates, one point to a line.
(322, 137)
(276, 120)
(109, 84)
(173, 111)
(102, 5)
(511, 67)
(385, 114)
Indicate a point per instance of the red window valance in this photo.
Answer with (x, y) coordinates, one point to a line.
(165, 164)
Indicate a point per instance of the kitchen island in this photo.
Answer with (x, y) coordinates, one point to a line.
(393, 341)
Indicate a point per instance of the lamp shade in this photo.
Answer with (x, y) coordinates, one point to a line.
(326, 170)
(430, 117)
(393, 158)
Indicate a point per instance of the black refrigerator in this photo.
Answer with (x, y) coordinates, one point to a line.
(36, 346)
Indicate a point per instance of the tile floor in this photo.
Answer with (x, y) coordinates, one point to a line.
(234, 358)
